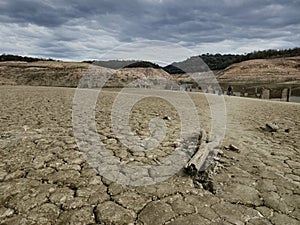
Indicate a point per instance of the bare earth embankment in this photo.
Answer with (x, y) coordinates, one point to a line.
(67, 74)
(262, 70)
(44, 179)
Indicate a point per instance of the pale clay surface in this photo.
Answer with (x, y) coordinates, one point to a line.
(44, 179)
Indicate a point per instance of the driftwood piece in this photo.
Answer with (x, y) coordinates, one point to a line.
(195, 163)
(204, 163)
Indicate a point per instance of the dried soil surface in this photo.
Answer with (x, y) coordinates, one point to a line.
(44, 178)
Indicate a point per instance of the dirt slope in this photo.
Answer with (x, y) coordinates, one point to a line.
(41, 73)
(68, 74)
(263, 70)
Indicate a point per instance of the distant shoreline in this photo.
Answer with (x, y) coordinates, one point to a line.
(293, 99)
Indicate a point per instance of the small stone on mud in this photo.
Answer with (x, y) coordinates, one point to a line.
(167, 118)
(272, 127)
(220, 153)
(233, 148)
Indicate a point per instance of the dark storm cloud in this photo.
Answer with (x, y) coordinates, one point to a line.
(37, 12)
(76, 28)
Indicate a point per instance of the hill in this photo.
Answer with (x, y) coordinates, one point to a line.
(213, 62)
(262, 70)
(46, 73)
(113, 64)
(42, 73)
(9, 57)
(218, 62)
(30, 71)
(192, 65)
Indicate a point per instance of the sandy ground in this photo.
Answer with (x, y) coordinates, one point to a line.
(44, 178)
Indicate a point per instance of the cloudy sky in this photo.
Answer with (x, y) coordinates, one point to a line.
(95, 29)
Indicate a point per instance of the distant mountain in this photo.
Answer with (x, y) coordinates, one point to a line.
(171, 69)
(201, 63)
(192, 65)
(114, 64)
(143, 64)
(220, 62)
(68, 74)
(119, 64)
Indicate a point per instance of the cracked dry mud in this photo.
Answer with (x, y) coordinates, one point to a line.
(44, 179)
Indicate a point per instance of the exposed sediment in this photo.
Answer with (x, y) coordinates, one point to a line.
(45, 179)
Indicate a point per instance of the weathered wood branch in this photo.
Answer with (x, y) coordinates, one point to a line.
(195, 163)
